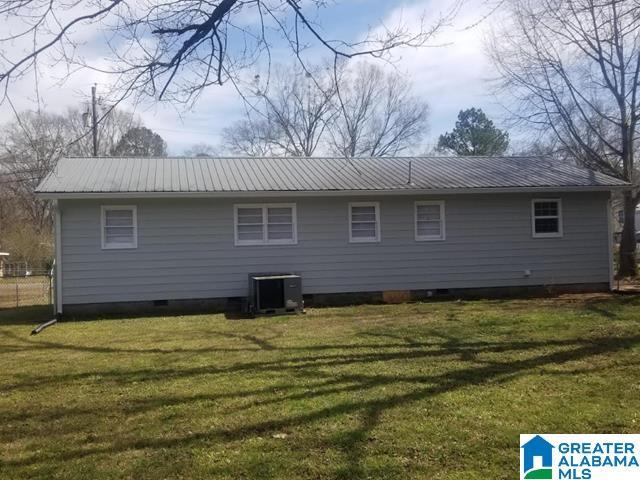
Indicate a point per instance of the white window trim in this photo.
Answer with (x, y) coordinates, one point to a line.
(119, 246)
(557, 234)
(430, 238)
(376, 205)
(265, 240)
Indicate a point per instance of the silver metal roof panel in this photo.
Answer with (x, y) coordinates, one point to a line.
(315, 174)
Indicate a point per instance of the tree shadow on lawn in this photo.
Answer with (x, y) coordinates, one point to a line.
(312, 367)
(28, 315)
(255, 345)
(466, 351)
(607, 307)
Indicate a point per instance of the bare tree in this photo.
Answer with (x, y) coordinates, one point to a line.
(252, 137)
(28, 244)
(203, 150)
(288, 115)
(363, 111)
(377, 114)
(573, 68)
(9, 210)
(174, 49)
(31, 146)
(114, 124)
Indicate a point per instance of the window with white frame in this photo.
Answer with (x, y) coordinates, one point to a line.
(268, 224)
(364, 222)
(119, 227)
(546, 217)
(429, 220)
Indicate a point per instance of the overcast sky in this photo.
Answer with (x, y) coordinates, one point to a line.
(450, 77)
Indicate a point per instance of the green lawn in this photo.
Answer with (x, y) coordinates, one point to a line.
(432, 390)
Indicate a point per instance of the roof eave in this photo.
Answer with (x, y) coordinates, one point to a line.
(329, 193)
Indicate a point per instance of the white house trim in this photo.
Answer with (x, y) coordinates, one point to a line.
(430, 238)
(375, 239)
(122, 246)
(265, 240)
(560, 231)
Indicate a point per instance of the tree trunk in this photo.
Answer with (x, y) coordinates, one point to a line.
(627, 263)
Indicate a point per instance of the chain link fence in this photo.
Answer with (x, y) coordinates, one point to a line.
(27, 287)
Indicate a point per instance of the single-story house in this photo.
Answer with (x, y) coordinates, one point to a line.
(175, 231)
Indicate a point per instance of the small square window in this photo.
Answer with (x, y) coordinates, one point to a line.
(429, 220)
(364, 222)
(546, 218)
(119, 227)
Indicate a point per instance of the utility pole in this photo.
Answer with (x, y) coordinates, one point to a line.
(94, 121)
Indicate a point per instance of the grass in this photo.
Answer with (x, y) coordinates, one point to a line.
(432, 390)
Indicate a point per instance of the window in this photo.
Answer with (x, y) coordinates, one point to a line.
(364, 222)
(546, 217)
(271, 224)
(429, 217)
(119, 227)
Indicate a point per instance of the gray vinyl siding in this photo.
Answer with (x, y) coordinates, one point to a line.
(186, 248)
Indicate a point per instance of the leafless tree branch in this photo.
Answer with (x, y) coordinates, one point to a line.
(572, 68)
(168, 50)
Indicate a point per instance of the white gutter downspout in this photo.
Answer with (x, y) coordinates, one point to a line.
(57, 271)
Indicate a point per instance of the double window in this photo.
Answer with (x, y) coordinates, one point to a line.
(268, 224)
(429, 221)
(546, 218)
(364, 222)
(119, 227)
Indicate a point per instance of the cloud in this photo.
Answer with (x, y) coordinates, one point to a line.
(216, 109)
(57, 92)
(455, 75)
(450, 77)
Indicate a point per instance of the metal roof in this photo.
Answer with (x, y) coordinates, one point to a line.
(118, 175)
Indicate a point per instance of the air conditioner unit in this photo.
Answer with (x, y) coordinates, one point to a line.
(275, 294)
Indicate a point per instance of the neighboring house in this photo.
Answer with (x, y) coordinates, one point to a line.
(175, 230)
(3, 263)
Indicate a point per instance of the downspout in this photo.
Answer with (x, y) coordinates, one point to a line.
(57, 302)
